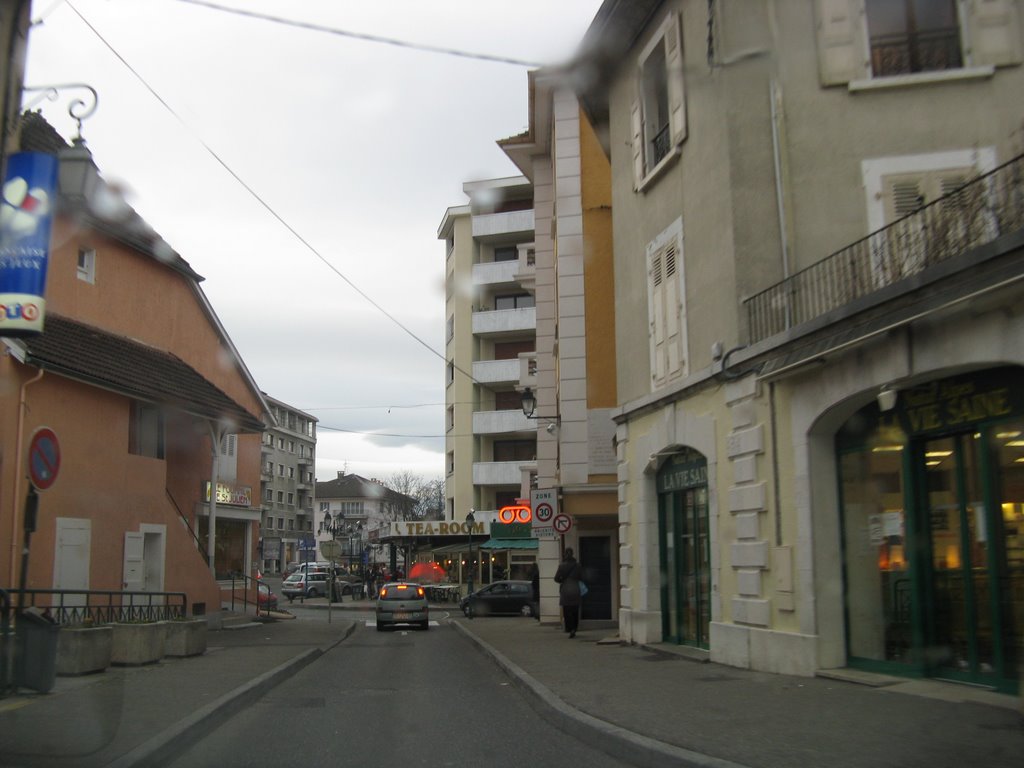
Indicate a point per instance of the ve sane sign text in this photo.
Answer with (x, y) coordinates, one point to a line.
(949, 404)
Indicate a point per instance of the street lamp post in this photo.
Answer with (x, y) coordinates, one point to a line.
(332, 527)
(470, 520)
(355, 532)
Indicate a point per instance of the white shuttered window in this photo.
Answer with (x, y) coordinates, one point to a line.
(658, 115)
(666, 306)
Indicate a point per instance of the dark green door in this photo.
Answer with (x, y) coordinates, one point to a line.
(971, 531)
(685, 551)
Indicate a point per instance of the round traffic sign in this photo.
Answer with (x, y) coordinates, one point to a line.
(544, 512)
(43, 458)
(562, 523)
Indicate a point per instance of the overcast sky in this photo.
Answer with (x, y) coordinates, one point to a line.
(357, 146)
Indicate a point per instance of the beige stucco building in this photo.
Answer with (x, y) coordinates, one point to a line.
(818, 431)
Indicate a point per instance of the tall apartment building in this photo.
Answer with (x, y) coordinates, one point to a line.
(490, 445)
(288, 486)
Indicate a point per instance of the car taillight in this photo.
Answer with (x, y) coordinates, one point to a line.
(419, 591)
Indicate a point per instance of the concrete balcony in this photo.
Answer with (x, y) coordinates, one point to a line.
(527, 372)
(491, 225)
(500, 321)
(496, 371)
(495, 273)
(498, 472)
(500, 422)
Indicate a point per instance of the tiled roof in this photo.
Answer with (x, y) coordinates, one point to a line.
(357, 487)
(102, 359)
(118, 221)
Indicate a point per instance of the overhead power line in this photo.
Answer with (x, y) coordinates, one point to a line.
(263, 203)
(364, 36)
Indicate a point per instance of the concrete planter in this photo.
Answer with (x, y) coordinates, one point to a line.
(186, 638)
(81, 650)
(137, 644)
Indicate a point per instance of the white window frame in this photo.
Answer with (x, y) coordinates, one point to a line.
(667, 40)
(86, 266)
(876, 174)
(666, 308)
(989, 38)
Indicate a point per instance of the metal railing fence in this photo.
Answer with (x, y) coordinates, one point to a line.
(971, 215)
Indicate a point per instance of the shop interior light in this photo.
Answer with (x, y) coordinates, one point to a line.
(1008, 435)
(886, 448)
(938, 454)
(1015, 444)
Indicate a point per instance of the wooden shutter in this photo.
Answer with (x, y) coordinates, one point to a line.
(673, 351)
(656, 314)
(637, 131)
(842, 47)
(904, 193)
(676, 81)
(993, 32)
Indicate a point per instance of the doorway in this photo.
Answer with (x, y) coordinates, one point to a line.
(596, 559)
(974, 557)
(685, 549)
(932, 511)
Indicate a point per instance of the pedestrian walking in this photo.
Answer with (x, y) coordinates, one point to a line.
(568, 576)
(535, 588)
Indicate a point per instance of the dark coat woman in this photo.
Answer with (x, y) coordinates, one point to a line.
(568, 577)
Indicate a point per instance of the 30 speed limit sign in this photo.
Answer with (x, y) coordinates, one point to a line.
(544, 512)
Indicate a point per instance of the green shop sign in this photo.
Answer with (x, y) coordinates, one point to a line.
(956, 402)
(688, 469)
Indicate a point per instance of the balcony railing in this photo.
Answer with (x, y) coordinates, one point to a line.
(974, 214)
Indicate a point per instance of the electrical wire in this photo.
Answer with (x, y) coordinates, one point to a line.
(263, 203)
(363, 36)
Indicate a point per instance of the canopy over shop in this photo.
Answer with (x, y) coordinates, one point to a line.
(459, 549)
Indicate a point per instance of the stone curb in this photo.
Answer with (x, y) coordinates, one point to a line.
(171, 742)
(632, 747)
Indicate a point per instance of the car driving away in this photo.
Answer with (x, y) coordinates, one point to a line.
(500, 598)
(402, 603)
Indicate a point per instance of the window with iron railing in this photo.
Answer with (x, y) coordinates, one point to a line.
(913, 36)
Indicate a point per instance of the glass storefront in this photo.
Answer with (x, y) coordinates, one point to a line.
(229, 545)
(932, 503)
(685, 549)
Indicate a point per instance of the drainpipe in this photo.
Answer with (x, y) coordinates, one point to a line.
(211, 529)
(775, 99)
(22, 408)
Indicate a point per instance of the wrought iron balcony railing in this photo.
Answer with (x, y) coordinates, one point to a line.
(971, 215)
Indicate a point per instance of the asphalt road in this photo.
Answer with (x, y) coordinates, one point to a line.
(394, 698)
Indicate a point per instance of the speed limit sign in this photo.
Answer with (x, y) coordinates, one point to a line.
(544, 512)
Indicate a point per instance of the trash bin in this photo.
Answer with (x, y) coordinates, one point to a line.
(36, 665)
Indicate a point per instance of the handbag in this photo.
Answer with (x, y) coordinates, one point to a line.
(583, 589)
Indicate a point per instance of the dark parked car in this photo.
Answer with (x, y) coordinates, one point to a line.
(501, 597)
(402, 603)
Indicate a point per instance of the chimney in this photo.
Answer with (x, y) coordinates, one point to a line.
(341, 473)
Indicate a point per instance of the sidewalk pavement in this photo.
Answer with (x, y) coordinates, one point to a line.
(647, 705)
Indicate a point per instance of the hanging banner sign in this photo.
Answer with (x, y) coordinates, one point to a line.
(26, 214)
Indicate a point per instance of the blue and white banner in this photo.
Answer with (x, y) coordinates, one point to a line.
(26, 213)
